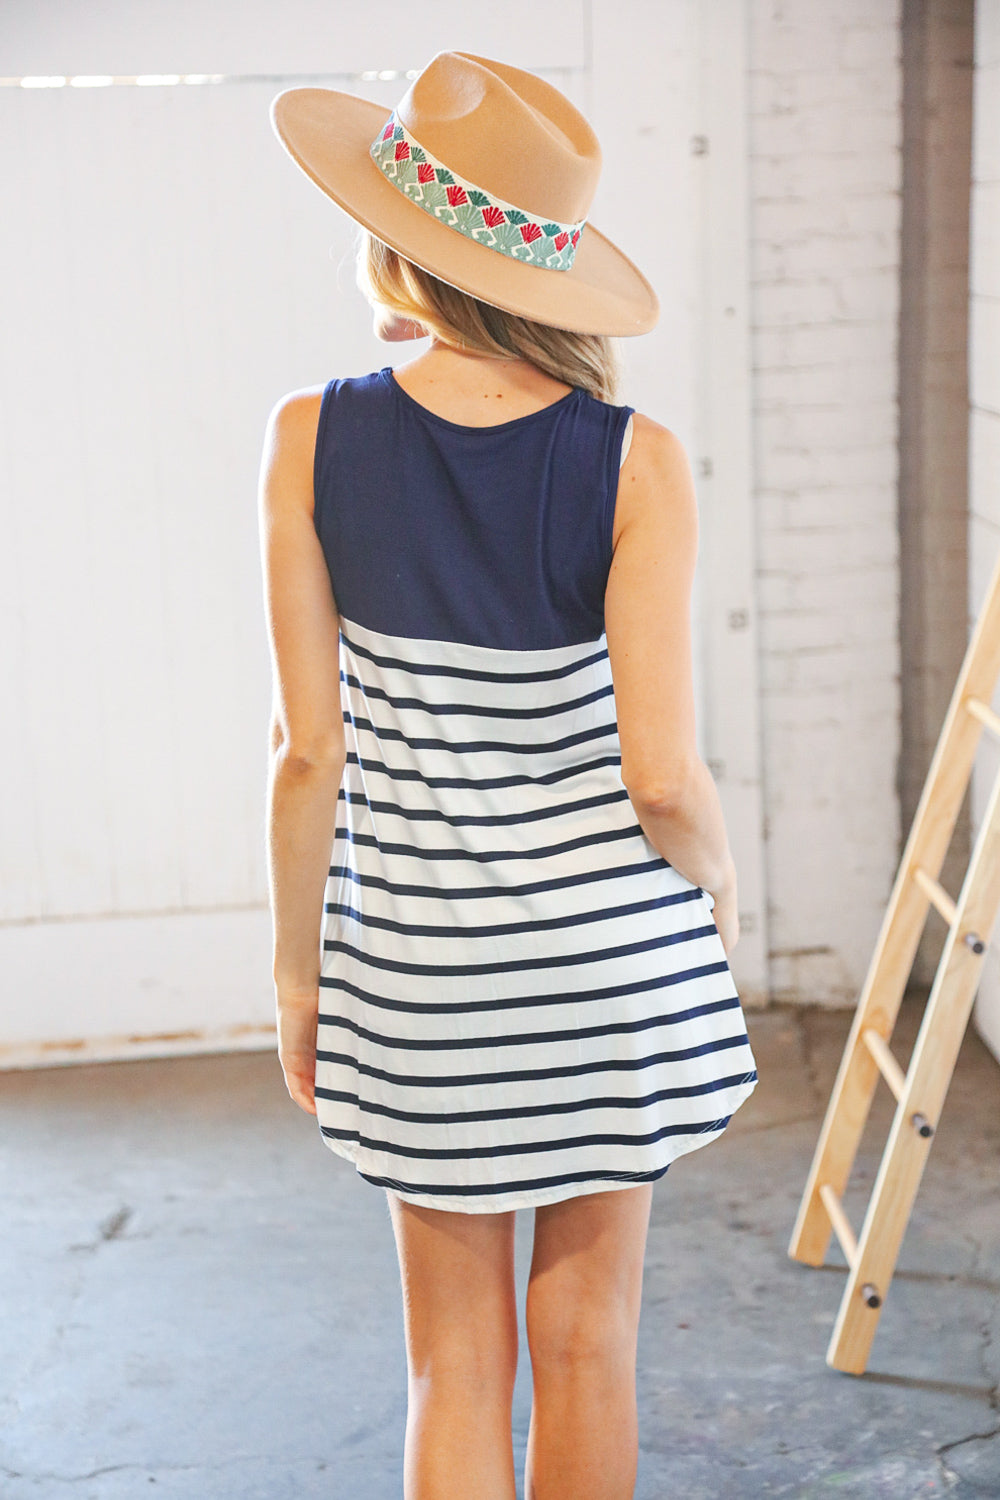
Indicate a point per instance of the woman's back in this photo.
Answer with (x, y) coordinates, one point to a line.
(520, 999)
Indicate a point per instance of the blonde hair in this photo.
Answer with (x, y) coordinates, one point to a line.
(588, 360)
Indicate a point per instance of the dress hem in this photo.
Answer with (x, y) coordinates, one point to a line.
(487, 1202)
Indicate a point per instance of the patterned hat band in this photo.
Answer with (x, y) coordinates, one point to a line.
(479, 215)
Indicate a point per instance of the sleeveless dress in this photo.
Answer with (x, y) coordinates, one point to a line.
(520, 1000)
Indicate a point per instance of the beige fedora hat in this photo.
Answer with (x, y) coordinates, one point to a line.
(483, 175)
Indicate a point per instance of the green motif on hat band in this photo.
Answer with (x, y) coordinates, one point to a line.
(480, 216)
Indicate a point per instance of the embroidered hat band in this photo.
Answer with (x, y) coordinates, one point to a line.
(480, 215)
(495, 153)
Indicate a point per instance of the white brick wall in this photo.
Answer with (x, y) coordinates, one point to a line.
(825, 87)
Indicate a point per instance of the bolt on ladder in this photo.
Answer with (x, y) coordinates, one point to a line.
(921, 1090)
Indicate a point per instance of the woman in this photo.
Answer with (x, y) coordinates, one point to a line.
(507, 985)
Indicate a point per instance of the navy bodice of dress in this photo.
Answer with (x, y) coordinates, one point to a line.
(496, 536)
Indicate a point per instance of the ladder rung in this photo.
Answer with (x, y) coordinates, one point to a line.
(982, 711)
(942, 902)
(936, 894)
(887, 1064)
(841, 1224)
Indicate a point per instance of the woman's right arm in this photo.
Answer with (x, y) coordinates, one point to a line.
(648, 624)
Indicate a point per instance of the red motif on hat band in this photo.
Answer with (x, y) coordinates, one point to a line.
(479, 215)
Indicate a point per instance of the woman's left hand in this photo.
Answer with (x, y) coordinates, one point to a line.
(297, 1017)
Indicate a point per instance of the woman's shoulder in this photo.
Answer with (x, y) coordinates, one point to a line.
(654, 443)
(646, 440)
(297, 411)
(303, 405)
(655, 479)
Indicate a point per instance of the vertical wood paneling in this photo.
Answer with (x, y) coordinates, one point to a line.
(20, 844)
(60, 749)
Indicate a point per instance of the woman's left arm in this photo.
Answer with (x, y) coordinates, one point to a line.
(307, 750)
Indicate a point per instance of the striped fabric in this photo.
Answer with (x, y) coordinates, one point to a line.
(520, 999)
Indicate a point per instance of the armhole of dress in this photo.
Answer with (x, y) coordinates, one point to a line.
(626, 443)
(613, 476)
(326, 400)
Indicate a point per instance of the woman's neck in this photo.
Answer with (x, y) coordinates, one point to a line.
(467, 386)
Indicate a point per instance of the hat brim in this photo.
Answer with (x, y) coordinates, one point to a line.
(328, 135)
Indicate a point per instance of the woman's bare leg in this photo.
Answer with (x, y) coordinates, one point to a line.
(583, 1321)
(460, 1318)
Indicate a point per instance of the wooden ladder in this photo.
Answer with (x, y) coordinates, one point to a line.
(920, 1092)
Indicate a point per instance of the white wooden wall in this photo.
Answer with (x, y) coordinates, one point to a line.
(984, 418)
(168, 276)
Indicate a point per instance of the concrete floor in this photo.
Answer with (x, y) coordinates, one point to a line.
(201, 1300)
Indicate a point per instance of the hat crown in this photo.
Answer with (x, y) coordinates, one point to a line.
(506, 131)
